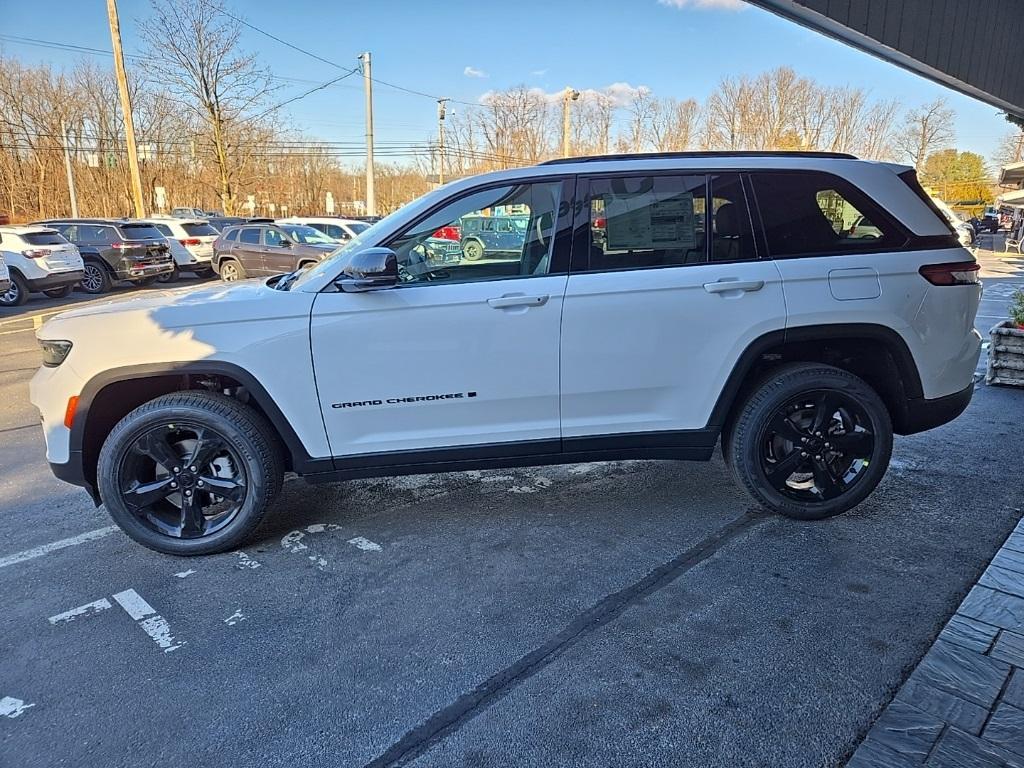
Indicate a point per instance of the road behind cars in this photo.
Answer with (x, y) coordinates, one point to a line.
(633, 613)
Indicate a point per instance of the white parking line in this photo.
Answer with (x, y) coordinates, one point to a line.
(365, 544)
(152, 623)
(11, 707)
(89, 609)
(53, 546)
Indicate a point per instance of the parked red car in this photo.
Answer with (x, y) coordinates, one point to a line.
(451, 232)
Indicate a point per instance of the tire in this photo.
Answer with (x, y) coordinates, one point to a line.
(473, 250)
(96, 279)
(169, 277)
(230, 271)
(803, 465)
(58, 293)
(17, 293)
(239, 453)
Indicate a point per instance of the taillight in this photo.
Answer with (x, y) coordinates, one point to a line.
(120, 246)
(191, 241)
(954, 273)
(35, 253)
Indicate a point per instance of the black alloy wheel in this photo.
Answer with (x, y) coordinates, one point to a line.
(810, 441)
(182, 480)
(190, 473)
(817, 446)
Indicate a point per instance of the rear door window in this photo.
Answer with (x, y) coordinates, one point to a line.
(808, 214)
(639, 222)
(250, 235)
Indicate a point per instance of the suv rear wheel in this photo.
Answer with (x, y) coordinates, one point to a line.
(95, 278)
(190, 473)
(810, 442)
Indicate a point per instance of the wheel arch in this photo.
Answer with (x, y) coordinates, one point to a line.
(112, 394)
(876, 353)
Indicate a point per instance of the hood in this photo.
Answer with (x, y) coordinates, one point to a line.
(216, 302)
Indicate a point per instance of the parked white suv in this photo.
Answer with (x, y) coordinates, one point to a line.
(655, 306)
(5, 276)
(340, 229)
(38, 259)
(196, 236)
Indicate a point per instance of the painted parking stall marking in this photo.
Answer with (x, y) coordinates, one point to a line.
(293, 542)
(152, 623)
(53, 546)
(11, 707)
(89, 609)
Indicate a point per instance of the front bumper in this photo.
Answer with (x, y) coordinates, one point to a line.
(72, 471)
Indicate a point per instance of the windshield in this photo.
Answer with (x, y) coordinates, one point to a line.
(358, 227)
(307, 235)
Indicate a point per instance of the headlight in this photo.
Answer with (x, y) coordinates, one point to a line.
(54, 352)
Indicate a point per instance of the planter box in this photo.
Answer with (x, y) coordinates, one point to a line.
(1006, 355)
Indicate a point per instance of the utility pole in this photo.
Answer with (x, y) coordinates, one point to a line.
(371, 203)
(568, 96)
(126, 108)
(67, 168)
(440, 140)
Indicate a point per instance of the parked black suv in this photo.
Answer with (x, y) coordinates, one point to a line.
(254, 250)
(116, 250)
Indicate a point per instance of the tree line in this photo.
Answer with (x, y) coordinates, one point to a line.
(212, 131)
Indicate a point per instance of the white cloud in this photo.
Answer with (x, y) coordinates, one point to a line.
(539, 72)
(728, 5)
(622, 94)
(474, 72)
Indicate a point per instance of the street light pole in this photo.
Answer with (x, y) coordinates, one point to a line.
(67, 169)
(440, 140)
(570, 95)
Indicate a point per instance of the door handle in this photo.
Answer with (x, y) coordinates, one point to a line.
(517, 301)
(727, 286)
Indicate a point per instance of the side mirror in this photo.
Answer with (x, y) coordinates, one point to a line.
(369, 270)
(286, 243)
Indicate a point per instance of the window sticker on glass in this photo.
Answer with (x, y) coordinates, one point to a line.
(640, 221)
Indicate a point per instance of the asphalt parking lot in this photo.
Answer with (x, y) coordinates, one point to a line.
(627, 614)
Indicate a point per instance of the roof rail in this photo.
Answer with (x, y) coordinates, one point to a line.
(683, 155)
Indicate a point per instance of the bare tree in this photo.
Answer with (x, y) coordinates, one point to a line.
(673, 124)
(1010, 149)
(926, 129)
(194, 55)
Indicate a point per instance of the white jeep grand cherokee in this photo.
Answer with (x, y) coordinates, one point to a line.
(800, 308)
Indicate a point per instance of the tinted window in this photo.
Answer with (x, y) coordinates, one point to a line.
(272, 237)
(231, 235)
(647, 221)
(811, 213)
(164, 229)
(307, 235)
(488, 254)
(732, 236)
(43, 238)
(199, 230)
(250, 235)
(140, 232)
(358, 227)
(93, 234)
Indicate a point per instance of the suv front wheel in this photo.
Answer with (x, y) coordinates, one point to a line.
(810, 442)
(190, 473)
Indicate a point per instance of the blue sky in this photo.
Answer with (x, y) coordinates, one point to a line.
(461, 49)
